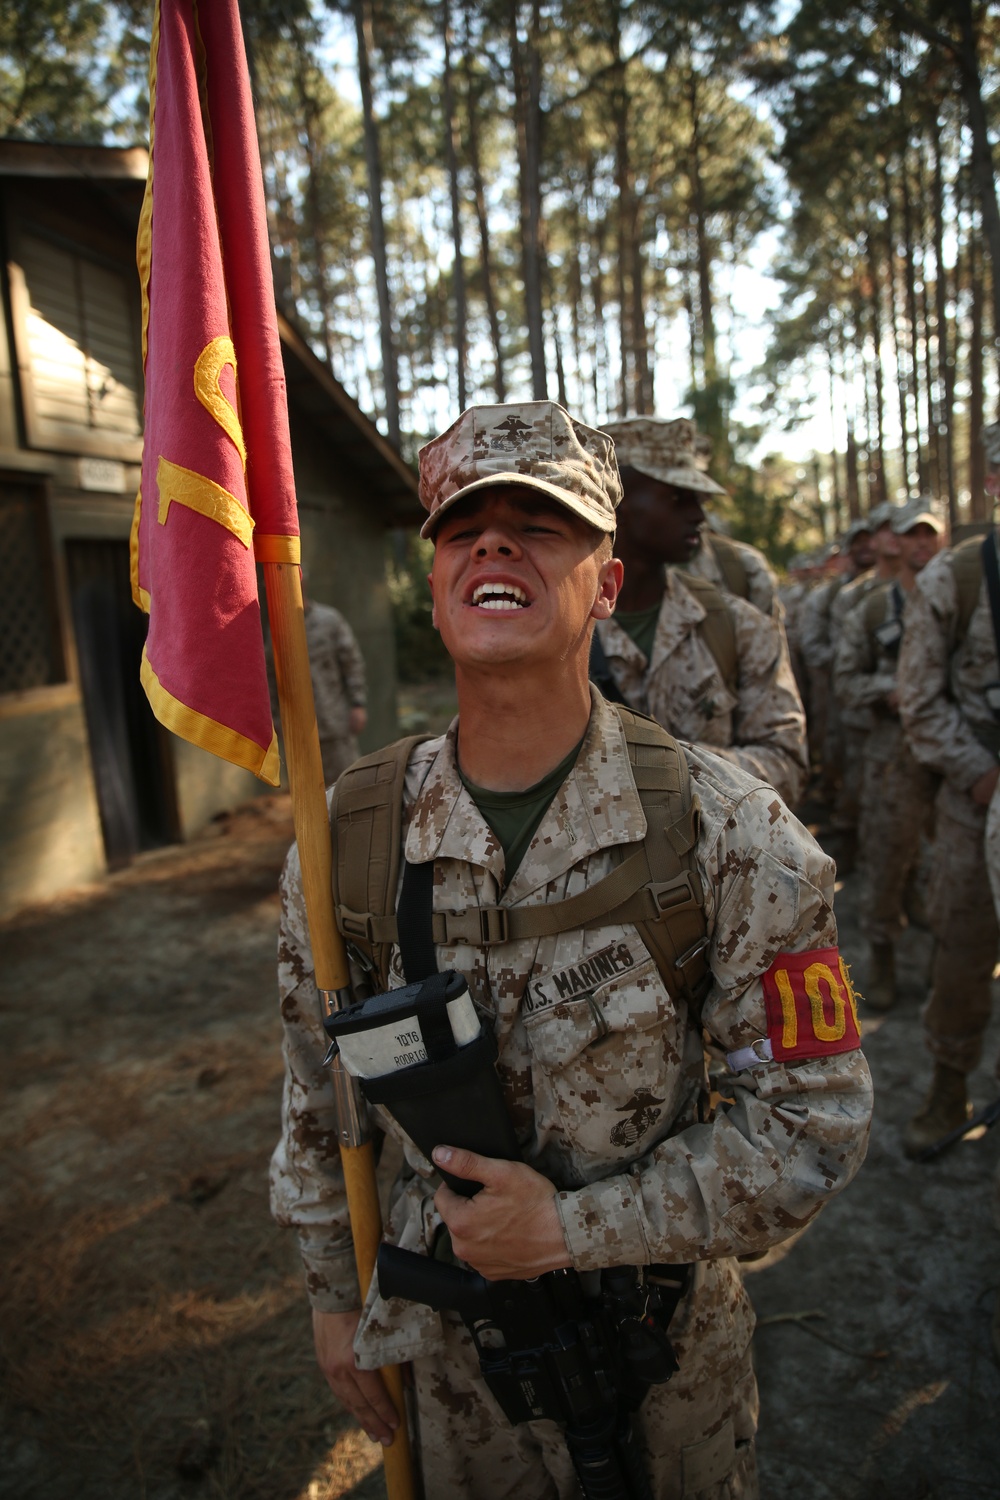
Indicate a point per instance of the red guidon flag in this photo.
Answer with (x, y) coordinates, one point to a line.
(217, 491)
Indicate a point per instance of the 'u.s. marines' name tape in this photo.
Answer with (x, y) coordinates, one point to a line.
(583, 977)
(810, 1008)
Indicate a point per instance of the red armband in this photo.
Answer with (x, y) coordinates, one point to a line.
(810, 1005)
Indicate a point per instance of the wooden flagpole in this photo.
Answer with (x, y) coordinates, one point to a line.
(312, 830)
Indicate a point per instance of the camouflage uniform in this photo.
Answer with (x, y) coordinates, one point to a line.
(992, 847)
(817, 655)
(603, 1075)
(793, 596)
(337, 669)
(949, 726)
(760, 726)
(761, 583)
(897, 791)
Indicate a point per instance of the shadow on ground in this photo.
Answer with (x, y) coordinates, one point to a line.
(154, 1337)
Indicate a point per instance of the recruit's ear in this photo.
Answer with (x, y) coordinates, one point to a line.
(608, 588)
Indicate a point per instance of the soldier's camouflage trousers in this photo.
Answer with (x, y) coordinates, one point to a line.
(992, 846)
(896, 803)
(698, 1443)
(964, 924)
(847, 803)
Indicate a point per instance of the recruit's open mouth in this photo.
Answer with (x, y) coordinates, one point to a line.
(498, 596)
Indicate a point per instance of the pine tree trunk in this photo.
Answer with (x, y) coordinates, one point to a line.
(897, 343)
(373, 160)
(983, 172)
(932, 470)
(945, 360)
(482, 217)
(526, 70)
(876, 469)
(911, 306)
(451, 156)
(853, 502)
(980, 507)
(834, 464)
(602, 392)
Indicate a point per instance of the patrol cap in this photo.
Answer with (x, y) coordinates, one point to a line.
(882, 515)
(915, 513)
(862, 524)
(665, 449)
(536, 444)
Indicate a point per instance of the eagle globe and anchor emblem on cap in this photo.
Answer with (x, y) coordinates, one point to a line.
(513, 434)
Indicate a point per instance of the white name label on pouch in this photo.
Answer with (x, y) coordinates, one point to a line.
(400, 1042)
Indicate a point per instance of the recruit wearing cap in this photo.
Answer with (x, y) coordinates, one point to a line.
(915, 513)
(532, 443)
(861, 527)
(665, 449)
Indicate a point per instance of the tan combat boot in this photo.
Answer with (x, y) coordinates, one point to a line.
(880, 991)
(945, 1108)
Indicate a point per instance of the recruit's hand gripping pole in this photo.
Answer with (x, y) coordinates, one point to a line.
(312, 830)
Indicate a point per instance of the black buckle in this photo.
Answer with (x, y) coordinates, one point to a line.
(494, 925)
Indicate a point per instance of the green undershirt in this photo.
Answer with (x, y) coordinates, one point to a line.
(640, 625)
(514, 816)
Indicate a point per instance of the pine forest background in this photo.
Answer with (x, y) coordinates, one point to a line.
(570, 199)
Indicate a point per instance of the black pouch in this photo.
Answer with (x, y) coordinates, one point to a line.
(889, 635)
(421, 1053)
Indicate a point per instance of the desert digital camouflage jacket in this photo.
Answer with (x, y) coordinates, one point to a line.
(762, 585)
(602, 1070)
(760, 726)
(336, 667)
(943, 681)
(794, 596)
(864, 671)
(815, 641)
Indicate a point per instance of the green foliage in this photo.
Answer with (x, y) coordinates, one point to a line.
(56, 70)
(420, 656)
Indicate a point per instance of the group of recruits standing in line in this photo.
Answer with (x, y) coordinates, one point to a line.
(572, 567)
(894, 641)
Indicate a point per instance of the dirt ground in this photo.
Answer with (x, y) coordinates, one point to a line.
(153, 1333)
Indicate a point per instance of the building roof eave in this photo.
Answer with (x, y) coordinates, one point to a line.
(318, 394)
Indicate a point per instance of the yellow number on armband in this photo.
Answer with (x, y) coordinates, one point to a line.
(851, 1000)
(815, 975)
(789, 1018)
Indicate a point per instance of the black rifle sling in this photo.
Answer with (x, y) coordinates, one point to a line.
(991, 568)
(654, 887)
(413, 922)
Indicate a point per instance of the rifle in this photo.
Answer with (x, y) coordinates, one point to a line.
(582, 1350)
(987, 1117)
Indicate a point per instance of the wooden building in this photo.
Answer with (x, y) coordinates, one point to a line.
(88, 779)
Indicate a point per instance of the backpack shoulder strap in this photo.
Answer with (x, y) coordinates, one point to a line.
(873, 608)
(731, 566)
(677, 936)
(967, 566)
(716, 629)
(366, 821)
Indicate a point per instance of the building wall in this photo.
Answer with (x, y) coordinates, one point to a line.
(83, 458)
(50, 833)
(344, 554)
